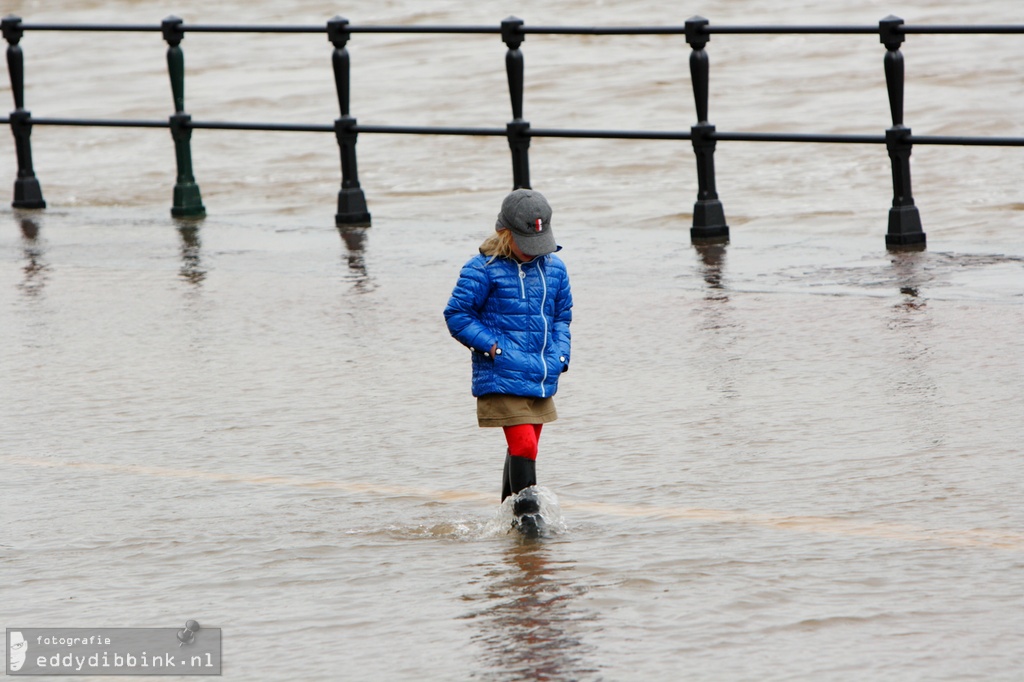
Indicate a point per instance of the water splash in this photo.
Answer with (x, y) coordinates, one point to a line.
(550, 512)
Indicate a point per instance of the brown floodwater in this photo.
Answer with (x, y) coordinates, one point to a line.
(794, 456)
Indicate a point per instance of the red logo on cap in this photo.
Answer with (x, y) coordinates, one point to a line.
(539, 225)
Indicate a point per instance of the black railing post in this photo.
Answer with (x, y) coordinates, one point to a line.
(518, 130)
(708, 214)
(187, 200)
(27, 192)
(352, 208)
(904, 219)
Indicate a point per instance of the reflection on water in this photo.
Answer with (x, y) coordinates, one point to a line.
(530, 629)
(908, 272)
(907, 267)
(35, 267)
(192, 270)
(913, 390)
(717, 328)
(355, 242)
(712, 260)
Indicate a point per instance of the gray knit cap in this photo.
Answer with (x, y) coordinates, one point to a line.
(527, 214)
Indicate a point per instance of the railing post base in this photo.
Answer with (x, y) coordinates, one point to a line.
(709, 223)
(28, 194)
(905, 231)
(352, 210)
(188, 203)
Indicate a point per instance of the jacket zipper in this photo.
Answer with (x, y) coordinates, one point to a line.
(543, 302)
(544, 346)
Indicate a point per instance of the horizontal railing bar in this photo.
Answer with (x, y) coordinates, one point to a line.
(604, 30)
(712, 28)
(797, 137)
(1009, 29)
(90, 27)
(548, 30)
(612, 134)
(313, 128)
(194, 28)
(496, 29)
(213, 28)
(97, 122)
(679, 30)
(424, 29)
(720, 136)
(280, 127)
(429, 130)
(867, 139)
(227, 28)
(972, 141)
(865, 30)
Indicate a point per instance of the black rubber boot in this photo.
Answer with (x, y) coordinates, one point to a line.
(522, 477)
(506, 485)
(522, 473)
(526, 513)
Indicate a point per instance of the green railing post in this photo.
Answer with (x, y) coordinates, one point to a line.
(27, 192)
(187, 200)
(352, 208)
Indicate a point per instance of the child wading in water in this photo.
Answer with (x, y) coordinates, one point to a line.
(512, 307)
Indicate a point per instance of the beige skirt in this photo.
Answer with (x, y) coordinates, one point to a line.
(496, 409)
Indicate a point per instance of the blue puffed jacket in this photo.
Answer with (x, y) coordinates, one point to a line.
(524, 308)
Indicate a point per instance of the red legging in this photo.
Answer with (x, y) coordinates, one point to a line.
(522, 440)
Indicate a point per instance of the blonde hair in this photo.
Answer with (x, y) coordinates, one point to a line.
(498, 245)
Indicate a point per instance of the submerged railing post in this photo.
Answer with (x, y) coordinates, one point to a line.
(904, 219)
(187, 199)
(352, 208)
(518, 130)
(708, 214)
(27, 192)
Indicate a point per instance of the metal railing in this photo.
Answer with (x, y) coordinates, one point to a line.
(709, 223)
